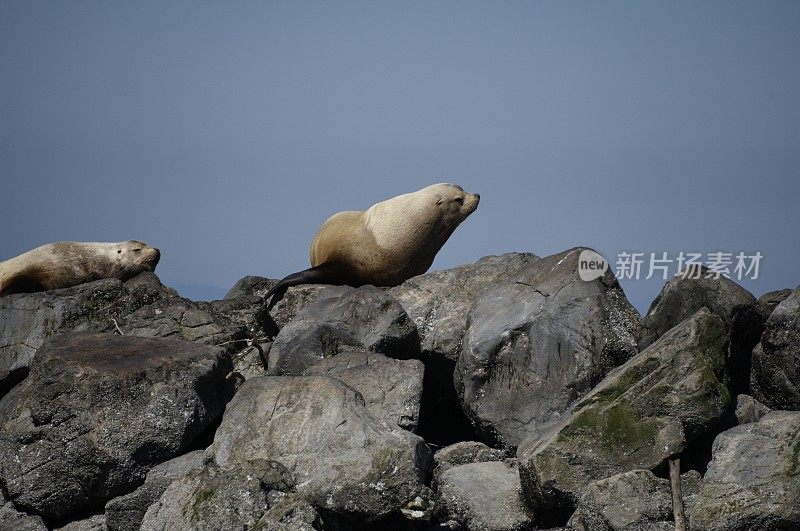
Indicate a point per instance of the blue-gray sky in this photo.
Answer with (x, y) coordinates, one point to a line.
(226, 133)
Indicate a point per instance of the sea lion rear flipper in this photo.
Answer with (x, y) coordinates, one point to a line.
(325, 273)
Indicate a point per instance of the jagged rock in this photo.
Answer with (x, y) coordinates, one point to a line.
(483, 497)
(125, 513)
(98, 411)
(343, 319)
(345, 461)
(289, 512)
(753, 480)
(13, 520)
(142, 306)
(391, 388)
(775, 376)
(438, 303)
(284, 311)
(641, 414)
(95, 523)
(683, 295)
(229, 497)
(463, 453)
(748, 409)
(539, 341)
(631, 501)
(767, 303)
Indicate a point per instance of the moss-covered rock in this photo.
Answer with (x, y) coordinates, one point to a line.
(642, 413)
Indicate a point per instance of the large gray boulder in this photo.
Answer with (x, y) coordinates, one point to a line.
(483, 497)
(753, 481)
(748, 409)
(463, 453)
(343, 319)
(126, 512)
(538, 342)
(391, 388)
(346, 462)
(438, 303)
(141, 306)
(98, 411)
(13, 520)
(644, 412)
(631, 501)
(775, 376)
(236, 496)
(684, 294)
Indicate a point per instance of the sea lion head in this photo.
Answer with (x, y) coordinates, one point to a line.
(453, 202)
(134, 257)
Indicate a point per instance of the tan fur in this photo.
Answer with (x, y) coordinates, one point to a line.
(395, 239)
(65, 264)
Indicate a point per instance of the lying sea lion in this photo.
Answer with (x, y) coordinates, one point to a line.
(65, 264)
(386, 244)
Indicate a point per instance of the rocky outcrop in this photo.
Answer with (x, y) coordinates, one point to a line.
(641, 414)
(748, 409)
(775, 376)
(98, 411)
(391, 388)
(345, 461)
(125, 513)
(141, 306)
(237, 496)
(118, 415)
(631, 501)
(343, 319)
(684, 295)
(753, 481)
(483, 496)
(536, 343)
(438, 303)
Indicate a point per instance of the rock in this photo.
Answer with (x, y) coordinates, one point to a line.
(13, 520)
(343, 319)
(95, 523)
(98, 411)
(682, 296)
(391, 388)
(767, 303)
(283, 312)
(229, 497)
(142, 306)
(125, 513)
(345, 461)
(438, 303)
(642, 413)
(753, 481)
(536, 343)
(463, 453)
(775, 376)
(628, 501)
(748, 409)
(483, 496)
(289, 512)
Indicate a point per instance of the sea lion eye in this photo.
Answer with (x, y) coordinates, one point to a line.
(459, 200)
(119, 251)
(136, 250)
(439, 202)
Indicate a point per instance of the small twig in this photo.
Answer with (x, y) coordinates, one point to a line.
(117, 327)
(677, 495)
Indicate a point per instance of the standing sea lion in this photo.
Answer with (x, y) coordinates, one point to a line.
(65, 264)
(386, 244)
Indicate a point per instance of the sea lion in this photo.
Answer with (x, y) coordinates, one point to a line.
(386, 244)
(65, 264)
